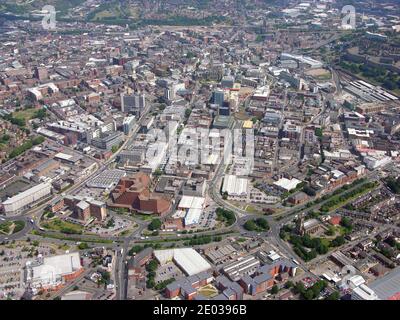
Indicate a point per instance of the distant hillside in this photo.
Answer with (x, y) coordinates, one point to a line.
(24, 7)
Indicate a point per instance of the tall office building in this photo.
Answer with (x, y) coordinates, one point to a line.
(41, 73)
(228, 82)
(224, 110)
(218, 97)
(168, 94)
(133, 103)
(128, 124)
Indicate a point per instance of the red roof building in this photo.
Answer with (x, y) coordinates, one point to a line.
(134, 193)
(335, 220)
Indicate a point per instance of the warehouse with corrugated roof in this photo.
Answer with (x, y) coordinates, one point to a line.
(193, 206)
(187, 259)
(235, 186)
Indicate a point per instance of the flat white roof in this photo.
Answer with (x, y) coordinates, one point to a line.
(63, 156)
(287, 184)
(356, 280)
(28, 192)
(188, 259)
(189, 202)
(65, 263)
(273, 255)
(193, 216)
(330, 276)
(365, 293)
(56, 266)
(234, 185)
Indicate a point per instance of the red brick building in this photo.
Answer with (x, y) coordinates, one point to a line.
(133, 193)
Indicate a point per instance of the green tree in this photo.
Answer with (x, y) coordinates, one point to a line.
(135, 249)
(309, 294)
(262, 223)
(38, 140)
(346, 223)
(5, 138)
(225, 215)
(334, 296)
(40, 114)
(150, 283)
(318, 132)
(299, 287)
(393, 184)
(83, 246)
(250, 225)
(155, 224)
(188, 112)
(114, 149)
(274, 289)
(152, 265)
(338, 241)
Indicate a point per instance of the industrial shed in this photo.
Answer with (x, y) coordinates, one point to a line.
(235, 186)
(187, 259)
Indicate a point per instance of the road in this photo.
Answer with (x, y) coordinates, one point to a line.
(69, 285)
(121, 272)
(336, 81)
(275, 167)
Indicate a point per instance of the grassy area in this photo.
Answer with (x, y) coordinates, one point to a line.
(147, 232)
(325, 242)
(104, 14)
(125, 233)
(63, 237)
(26, 114)
(251, 209)
(215, 237)
(324, 77)
(64, 247)
(110, 11)
(63, 226)
(18, 226)
(5, 227)
(339, 201)
(11, 227)
(342, 230)
(144, 217)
